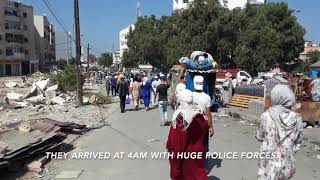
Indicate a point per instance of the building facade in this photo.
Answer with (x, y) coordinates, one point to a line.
(309, 47)
(123, 39)
(116, 57)
(181, 4)
(17, 41)
(45, 40)
(63, 46)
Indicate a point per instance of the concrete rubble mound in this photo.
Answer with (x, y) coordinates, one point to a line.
(26, 139)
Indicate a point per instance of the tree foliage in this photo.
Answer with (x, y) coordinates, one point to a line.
(314, 56)
(105, 60)
(254, 38)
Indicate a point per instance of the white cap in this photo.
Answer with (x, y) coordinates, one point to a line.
(198, 83)
(201, 58)
(156, 77)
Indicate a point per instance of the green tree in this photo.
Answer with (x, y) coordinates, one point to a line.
(314, 56)
(105, 60)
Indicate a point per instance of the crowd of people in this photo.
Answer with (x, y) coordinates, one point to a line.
(280, 130)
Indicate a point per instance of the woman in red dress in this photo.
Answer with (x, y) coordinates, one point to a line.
(188, 133)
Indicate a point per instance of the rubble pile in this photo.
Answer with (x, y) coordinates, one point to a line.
(21, 140)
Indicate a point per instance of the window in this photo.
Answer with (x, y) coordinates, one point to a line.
(9, 52)
(26, 40)
(185, 1)
(0, 37)
(26, 51)
(24, 14)
(25, 27)
(0, 51)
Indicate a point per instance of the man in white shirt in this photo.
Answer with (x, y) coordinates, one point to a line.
(203, 101)
(154, 86)
(181, 85)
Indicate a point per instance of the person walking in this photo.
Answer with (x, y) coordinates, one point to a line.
(154, 88)
(146, 92)
(315, 89)
(203, 100)
(123, 89)
(136, 91)
(162, 91)
(280, 132)
(108, 85)
(113, 85)
(188, 131)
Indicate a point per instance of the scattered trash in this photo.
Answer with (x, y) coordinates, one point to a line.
(243, 122)
(153, 140)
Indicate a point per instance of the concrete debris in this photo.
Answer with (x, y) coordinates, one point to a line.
(21, 104)
(42, 84)
(25, 127)
(11, 84)
(14, 96)
(3, 147)
(85, 100)
(58, 100)
(52, 88)
(36, 100)
(5, 100)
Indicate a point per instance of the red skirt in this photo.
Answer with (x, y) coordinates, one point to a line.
(191, 140)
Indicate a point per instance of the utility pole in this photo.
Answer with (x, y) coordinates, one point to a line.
(88, 61)
(78, 52)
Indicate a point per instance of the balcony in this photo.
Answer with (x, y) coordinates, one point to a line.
(18, 55)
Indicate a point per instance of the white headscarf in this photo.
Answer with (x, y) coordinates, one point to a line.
(286, 120)
(186, 109)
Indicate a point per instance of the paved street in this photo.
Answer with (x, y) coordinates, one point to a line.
(131, 131)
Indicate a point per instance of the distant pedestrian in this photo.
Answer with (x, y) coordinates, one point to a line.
(162, 91)
(123, 88)
(146, 92)
(227, 89)
(280, 132)
(180, 87)
(136, 91)
(315, 89)
(154, 85)
(113, 86)
(108, 85)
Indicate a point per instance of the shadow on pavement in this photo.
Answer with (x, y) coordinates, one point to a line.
(213, 178)
(211, 163)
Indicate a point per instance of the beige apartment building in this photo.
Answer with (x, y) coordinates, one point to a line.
(45, 40)
(17, 40)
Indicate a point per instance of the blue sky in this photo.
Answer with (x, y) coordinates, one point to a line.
(101, 20)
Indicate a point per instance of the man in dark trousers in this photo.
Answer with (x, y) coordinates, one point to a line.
(123, 89)
(113, 85)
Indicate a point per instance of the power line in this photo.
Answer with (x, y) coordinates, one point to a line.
(55, 16)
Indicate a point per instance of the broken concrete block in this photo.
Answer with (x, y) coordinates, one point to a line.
(11, 84)
(58, 100)
(3, 147)
(5, 100)
(52, 88)
(42, 84)
(85, 100)
(21, 104)
(36, 100)
(14, 96)
(25, 126)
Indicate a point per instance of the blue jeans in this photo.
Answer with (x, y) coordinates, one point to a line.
(163, 111)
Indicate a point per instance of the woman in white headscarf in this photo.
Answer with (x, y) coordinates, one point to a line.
(188, 133)
(280, 132)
